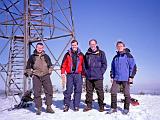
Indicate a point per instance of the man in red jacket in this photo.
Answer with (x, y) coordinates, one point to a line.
(72, 68)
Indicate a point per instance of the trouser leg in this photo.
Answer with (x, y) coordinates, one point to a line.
(77, 89)
(114, 90)
(89, 92)
(48, 89)
(100, 92)
(37, 88)
(126, 87)
(69, 90)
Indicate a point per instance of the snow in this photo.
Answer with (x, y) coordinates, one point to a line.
(147, 110)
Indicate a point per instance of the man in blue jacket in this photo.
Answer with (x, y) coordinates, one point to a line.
(123, 70)
(95, 67)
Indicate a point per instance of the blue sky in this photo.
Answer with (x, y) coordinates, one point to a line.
(136, 22)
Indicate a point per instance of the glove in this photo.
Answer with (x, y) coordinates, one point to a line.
(130, 80)
(50, 70)
(28, 73)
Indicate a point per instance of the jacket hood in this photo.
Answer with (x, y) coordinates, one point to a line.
(93, 52)
(126, 50)
(71, 51)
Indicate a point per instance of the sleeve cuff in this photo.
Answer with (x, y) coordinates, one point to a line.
(131, 77)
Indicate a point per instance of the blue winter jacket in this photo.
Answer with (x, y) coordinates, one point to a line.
(95, 64)
(123, 67)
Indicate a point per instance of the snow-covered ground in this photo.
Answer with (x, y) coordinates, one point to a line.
(149, 109)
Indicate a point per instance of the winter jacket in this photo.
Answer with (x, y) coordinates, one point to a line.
(68, 62)
(95, 64)
(123, 66)
(39, 65)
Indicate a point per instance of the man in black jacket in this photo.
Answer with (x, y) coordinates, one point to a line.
(39, 66)
(95, 67)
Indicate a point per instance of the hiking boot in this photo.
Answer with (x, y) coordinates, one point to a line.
(86, 109)
(66, 108)
(38, 112)
(49, 109)
(125, 111)
(76, 109)
(112, 110)
(101, 109)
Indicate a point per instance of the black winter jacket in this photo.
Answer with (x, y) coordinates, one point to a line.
(95, 64)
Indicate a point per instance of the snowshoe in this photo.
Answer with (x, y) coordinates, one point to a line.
(134, 102)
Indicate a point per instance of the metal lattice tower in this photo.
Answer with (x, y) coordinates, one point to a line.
(22, 24)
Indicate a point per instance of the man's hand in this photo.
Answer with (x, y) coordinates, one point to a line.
(111, 80)
(50, 70)
(83, 76)
(130, 81)
(63, 80)
(28, 73)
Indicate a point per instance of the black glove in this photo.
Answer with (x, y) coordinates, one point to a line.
(28, 75)
(130, 82)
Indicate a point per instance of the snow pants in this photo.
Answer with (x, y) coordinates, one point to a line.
(38, 83)
(126, 91)
(74, 83)
(98, 86)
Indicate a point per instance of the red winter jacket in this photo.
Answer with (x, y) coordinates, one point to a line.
(66, 65)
